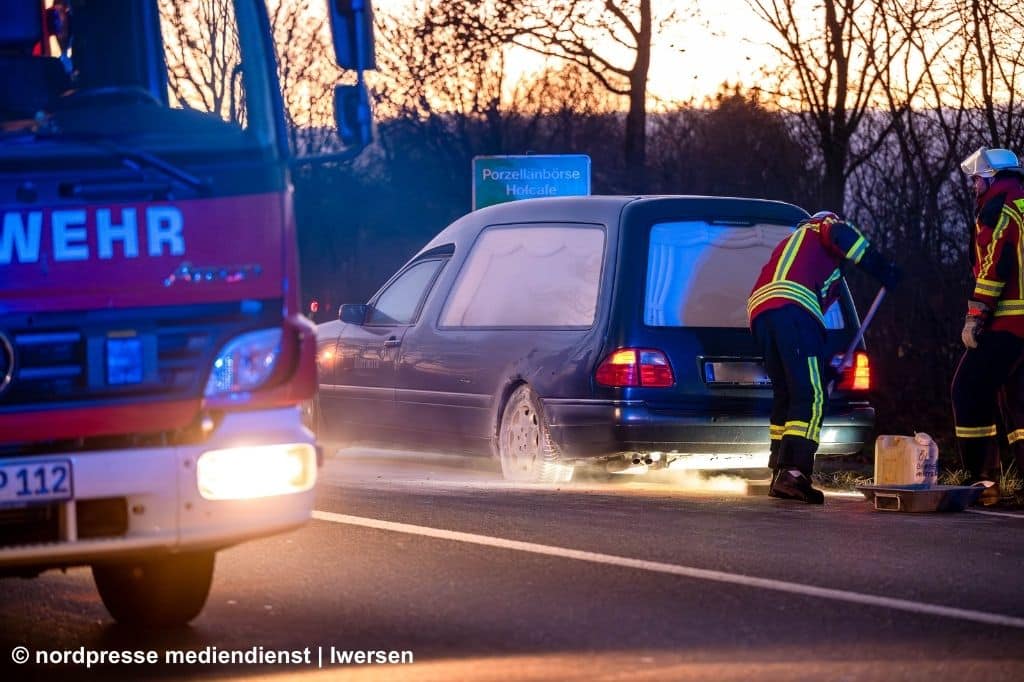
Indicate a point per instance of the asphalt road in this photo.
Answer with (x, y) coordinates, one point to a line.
(658, 580)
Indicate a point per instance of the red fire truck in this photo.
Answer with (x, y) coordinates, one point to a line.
(153, 353)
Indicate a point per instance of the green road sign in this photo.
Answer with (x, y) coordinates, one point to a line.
(497, 179)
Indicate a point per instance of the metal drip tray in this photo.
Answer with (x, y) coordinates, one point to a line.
(921, 498)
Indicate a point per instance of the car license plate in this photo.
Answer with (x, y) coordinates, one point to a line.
(736, 373)
(27, 482)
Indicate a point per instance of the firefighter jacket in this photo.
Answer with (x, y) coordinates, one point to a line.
(996, 255)
(806, 267)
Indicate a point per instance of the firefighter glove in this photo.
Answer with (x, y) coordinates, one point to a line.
(881, 268)
(892, 275)
(974, 323)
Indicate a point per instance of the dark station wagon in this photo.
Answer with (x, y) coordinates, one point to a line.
(556, 332)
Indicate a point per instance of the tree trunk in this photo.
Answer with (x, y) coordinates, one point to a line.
(833, 189)
(636, 118)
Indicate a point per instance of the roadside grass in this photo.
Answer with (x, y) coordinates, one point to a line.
(846, 480)
(954, 477)
(1011, 484)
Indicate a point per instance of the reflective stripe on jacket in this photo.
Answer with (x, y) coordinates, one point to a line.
(997, 257)
(805, 268)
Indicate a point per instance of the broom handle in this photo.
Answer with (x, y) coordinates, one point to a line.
(848, 355)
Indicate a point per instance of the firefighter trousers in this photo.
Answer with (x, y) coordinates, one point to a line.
(982, 374)
(792, 343)
(1011, 403)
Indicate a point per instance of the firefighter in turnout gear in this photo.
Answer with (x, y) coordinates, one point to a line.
(786, 313)
(993, 330)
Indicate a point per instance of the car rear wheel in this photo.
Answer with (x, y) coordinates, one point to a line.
(166, 592)
(524, 444)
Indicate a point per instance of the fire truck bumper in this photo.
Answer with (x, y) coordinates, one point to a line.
(253, 476)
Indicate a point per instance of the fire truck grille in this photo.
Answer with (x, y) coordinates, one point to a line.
(100, 518)
(29, 525)
(67, 358)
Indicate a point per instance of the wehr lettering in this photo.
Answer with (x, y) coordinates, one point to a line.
(81, 234)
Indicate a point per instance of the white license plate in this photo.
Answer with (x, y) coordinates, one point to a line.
(28, 482)
(736, 373)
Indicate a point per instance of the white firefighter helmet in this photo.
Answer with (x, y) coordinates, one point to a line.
(821, 217)
(986, 162)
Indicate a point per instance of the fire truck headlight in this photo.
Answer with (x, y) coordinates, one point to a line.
(245, 362)
(256, 471)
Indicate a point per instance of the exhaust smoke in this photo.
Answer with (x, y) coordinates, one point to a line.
(698, 481)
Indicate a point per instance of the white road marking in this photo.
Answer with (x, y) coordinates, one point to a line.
(1008, 515)
(675, 569)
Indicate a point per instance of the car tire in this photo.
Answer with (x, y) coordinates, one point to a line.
(525, 448)
(165, 592)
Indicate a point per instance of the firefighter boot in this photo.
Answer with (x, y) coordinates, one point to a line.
(773, 454)
(793, 484)
(981, 458)
(773, 463)
(792, 480)
(771, 486)
(990, 493)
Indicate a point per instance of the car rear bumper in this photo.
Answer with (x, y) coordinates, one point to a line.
(590, 429)
(143, 502)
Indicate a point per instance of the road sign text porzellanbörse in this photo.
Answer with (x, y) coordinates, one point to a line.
(497, 179)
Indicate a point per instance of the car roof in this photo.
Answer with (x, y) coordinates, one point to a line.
(608, 210)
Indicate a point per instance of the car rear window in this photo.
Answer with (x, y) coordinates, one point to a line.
(530, 276)
(700, 274)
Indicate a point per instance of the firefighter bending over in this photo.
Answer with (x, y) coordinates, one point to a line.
(996, 307)
(785, 309)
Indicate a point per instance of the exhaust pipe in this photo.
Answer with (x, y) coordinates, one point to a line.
(625, 466)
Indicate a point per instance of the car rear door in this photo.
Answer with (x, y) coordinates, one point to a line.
(690, 278)
(696, 278)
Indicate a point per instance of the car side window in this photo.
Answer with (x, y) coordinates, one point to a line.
(400, 301)
(531, 276)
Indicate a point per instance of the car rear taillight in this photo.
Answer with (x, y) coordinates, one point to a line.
(856, 377)
(635, 367)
